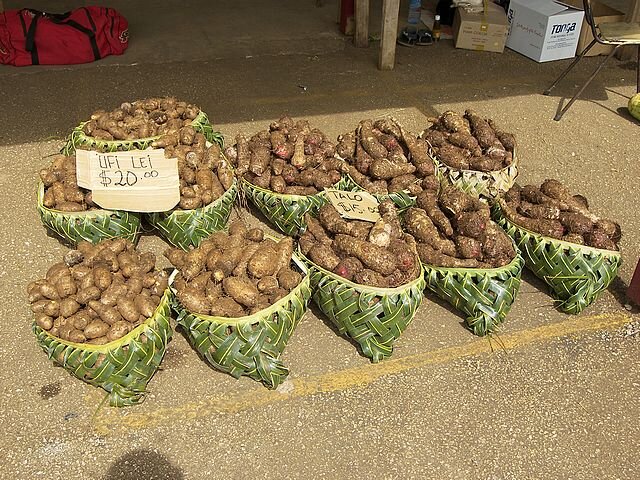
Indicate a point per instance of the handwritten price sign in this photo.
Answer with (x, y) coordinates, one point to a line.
(354, 205)
(136, 181)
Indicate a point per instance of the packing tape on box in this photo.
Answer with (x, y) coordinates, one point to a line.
(484, 24)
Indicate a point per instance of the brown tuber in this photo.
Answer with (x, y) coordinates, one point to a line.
(241, 273)
(552, 210)
(93, 297)
(470, 142)
(468, 240)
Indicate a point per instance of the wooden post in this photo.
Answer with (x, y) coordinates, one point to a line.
(633, 16)
(387, 59)
(361, 38)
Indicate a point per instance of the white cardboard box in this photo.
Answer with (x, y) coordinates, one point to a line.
(543, 29)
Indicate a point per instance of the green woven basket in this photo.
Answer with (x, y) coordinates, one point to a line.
(90, 225)
(184, 228)
(485, 295)
(478, 184)
(287, 211)
(78, 139)
(577, 274)
(402, 200)
(373, 317)
(123, 367)
(249, 345)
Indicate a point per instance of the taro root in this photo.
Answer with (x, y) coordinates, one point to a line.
(383, 157)
(290, 158)
(454, 230)
(234, 274)
(204, 172)
(375, 254)
(469, 142)
(144, 118)
(553, 211)
(92, 298)
(61, 186)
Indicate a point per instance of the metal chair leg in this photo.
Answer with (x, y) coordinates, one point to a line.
(586, 84)
(573, 64)
(638, 72)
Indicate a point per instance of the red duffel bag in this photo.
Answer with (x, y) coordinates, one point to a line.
(31, 37)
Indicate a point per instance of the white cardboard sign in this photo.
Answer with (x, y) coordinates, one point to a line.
(136, 181)
(354, 205)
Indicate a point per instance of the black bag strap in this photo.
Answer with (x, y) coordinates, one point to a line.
(90, 18)
(58, 16)
(30, 36)
(88, 32)
(59, 19)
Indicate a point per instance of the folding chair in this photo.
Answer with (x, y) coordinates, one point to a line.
(617, 34)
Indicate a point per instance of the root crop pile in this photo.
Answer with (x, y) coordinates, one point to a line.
(204, 172)
(454, 230)
(289, 158)
(61, 186)
(98, 293)
(379, 255)
(141, 119)
(234, 274)
(383, 157)
(470, 142)
(553, 211)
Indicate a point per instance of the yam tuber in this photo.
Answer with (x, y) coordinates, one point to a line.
(575, 223)
(428, 201)
(369, 141)
(431, 256)
(288, 279)
(241, 290)
(385, 170)
(348, 267)
(418, 224)
(371, 278)
(471, 224)
(324, 256)
(226, 307)
(373, 257)
(346, 145)
(264, 262)
(467, 247)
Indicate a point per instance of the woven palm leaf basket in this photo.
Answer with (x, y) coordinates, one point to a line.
(287, 211)
(484, 295)
(250, 345)
(184, 228)
(78, 139)
(577, 274)
(89, 225)
(476, 183)
(122, 367)
(402, 199)
(374, 317)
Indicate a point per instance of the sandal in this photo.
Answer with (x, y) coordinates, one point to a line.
(408, 37)
(424, 37)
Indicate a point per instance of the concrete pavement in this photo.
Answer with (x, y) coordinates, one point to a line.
(553, 396)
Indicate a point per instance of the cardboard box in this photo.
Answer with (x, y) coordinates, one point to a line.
(601, 14)
(481, 31)
(543, 30)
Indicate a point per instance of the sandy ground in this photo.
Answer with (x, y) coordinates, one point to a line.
(551, 396)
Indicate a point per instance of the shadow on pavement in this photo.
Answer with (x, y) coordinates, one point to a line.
(143, 463)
